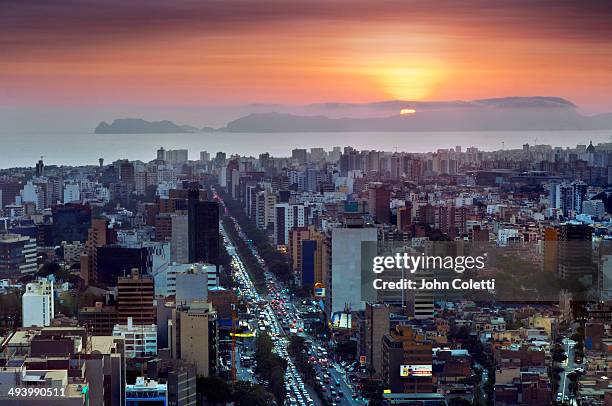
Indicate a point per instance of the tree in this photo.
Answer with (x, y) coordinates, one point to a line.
(213, 389)
(247, 394)
(459, 402)
(558, 354)
(69, 302)
(270, 366)
(50, 268)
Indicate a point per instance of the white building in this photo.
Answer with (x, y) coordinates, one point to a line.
(605, 270)
(72, 193)
(345, 282)
(191, 285)
(287, 217)
(177, 156)
(506, 234)
(37, 302)
(569, 197)
(140, 339)
(31, 193)
(187, 282)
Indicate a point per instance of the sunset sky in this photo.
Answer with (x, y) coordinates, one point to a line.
(196, 53)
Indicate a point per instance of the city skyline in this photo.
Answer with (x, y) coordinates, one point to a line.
(315, 203)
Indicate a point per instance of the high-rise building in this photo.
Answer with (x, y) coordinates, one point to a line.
(568, 197)
(163, 227)
(191, 285)
(377, 325)
(72, 193)
(33, 192)
(97, 236)
(40, 168)
(140, 339)
(296, 236)
(135, 295)
(404, 217)
(179, 245)
(203, 229)
(378, 202)
(114, 261)
(38, 304)
(575, 252)
(177, 156)
(604, 263)
(142, 180)
(17, 254)
(313, 253)
(204, 156)
(161, 154)
(194, 336)
(71, 222)
(594, 208)
(308, 262)
(550, 260)
(180, 377)
(348, 255)
(287, 217)
(479, 234)
(407, 361)
(126, 172)
(300, 155)
(8, 192)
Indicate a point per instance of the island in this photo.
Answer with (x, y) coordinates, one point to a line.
(140, 126)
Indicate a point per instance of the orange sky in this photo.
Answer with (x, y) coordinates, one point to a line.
(233, 52)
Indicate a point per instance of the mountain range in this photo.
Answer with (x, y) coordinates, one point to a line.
(501, 114)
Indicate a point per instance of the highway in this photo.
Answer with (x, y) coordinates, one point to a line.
(278, 304)
(297, 393)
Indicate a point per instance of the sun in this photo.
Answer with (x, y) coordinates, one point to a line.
(404, 112)
(414, 80)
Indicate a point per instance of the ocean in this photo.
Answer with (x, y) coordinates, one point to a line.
(81, 148)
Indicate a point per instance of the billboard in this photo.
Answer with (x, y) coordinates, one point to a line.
(319, 290)
(415, 370)
(341, 320)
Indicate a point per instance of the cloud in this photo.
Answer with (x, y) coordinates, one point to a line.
(33, 25)
(191, 51)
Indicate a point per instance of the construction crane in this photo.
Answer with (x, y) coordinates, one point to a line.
(234, 321)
